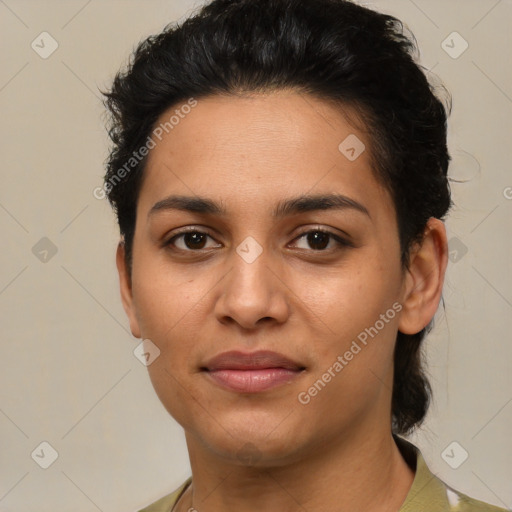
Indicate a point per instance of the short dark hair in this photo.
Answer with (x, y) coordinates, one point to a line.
(335, 50)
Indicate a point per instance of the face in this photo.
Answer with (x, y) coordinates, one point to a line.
(288, 244)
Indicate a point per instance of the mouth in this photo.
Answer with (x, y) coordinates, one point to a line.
(251, 372)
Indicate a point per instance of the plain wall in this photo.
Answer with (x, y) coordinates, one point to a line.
(68, 373)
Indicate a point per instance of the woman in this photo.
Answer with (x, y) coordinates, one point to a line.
(279, 173)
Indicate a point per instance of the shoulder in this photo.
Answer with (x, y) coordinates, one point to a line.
(462, 503)
(430, 494)
(166, 503)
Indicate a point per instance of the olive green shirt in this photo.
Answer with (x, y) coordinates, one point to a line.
(427, 493)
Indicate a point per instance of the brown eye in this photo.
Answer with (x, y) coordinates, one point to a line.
(195, 240)
(318, 240)
(189, 241)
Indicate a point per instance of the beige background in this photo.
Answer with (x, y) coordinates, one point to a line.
(69, 376)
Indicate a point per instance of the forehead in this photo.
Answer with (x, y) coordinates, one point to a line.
(255, 149)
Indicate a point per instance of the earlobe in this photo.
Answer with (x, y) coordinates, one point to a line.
(423, 283)
(125, 285)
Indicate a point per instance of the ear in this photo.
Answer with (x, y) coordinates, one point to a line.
(423, 283)
(126, 289)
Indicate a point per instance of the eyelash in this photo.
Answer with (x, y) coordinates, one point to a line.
(342, 243)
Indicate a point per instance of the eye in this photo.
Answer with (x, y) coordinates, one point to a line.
(319, 240)
(191, 240)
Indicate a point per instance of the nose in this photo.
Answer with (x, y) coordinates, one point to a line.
(253, 293)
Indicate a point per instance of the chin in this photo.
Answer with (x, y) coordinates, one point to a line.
(253, 442)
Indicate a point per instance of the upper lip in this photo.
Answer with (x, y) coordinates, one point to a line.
(236, 360)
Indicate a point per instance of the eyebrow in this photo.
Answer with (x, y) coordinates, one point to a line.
(290, 206)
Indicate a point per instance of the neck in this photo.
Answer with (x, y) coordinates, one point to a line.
(365, 472)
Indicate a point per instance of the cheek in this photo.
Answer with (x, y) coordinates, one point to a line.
(346, 301)
(161, 296)
(181, 400)
(170, 314)
(172, 308)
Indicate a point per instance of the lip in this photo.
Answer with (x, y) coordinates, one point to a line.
(252, 372)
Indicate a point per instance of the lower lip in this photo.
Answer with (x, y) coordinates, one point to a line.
(253, 381)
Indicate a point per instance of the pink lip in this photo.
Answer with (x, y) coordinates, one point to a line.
(253, 372)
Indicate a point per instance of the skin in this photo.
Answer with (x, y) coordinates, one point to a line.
(248, 153)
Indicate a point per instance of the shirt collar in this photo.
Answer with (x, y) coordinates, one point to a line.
(427, 493)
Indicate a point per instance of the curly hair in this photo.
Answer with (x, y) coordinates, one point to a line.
(335, 50)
